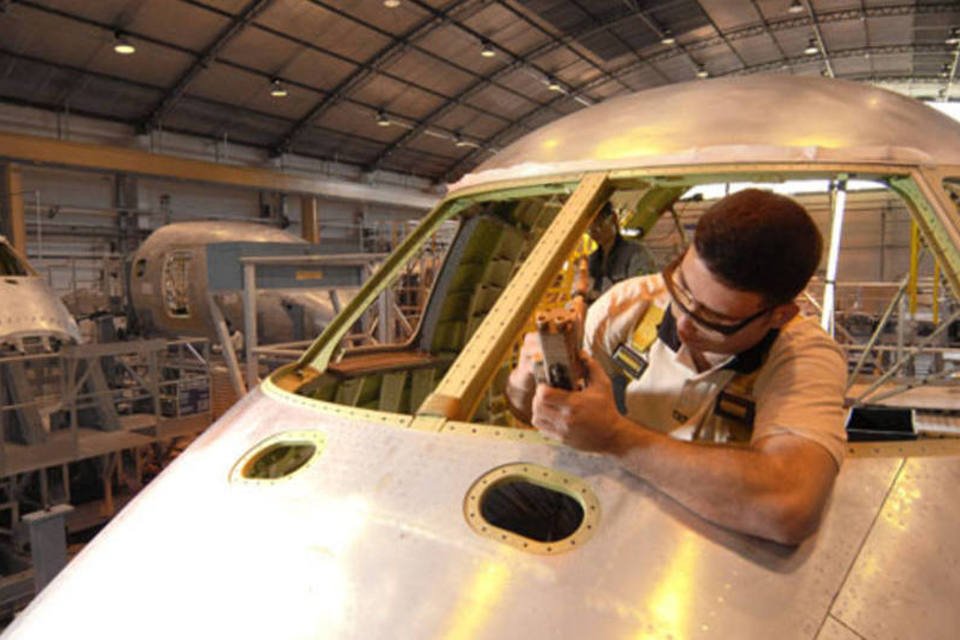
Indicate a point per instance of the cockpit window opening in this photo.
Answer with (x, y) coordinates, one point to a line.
(532, 507)
(495, 234)
(279, 457)
(897, 317)
(140, 268)
(403, 343)
(278, 460)
(176, 283)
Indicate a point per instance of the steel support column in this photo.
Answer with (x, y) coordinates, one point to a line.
(836, 232)
(48, 542)
(12, 223)
(250, 324)
(309, 220)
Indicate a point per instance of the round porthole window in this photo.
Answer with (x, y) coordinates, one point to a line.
(279, 457)
(532, 507)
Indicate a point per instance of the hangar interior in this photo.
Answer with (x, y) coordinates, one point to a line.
(311, 137)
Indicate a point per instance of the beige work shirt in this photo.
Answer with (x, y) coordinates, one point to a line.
(798, 376)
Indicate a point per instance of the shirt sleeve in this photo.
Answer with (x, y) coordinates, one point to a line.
(800, 391)
(610, 320)
(596, 328)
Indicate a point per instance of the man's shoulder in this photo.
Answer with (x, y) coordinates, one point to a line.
(627, 244)
(806, 328)
(645, 287)
(616, 311)
(803, 336)
(630, 248)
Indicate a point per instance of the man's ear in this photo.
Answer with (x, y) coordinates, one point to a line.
(783, 314)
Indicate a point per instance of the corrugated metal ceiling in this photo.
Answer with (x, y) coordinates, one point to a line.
(207, 67)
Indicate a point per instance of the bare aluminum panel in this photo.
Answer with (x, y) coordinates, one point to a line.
(834, 630)
(735, 119)
(905, 582)
(370, 541)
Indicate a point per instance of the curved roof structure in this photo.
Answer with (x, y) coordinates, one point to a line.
(431, 88)
(744, 119)
(205, 232)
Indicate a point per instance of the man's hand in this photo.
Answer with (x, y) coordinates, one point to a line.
(775, 488)
(585, 419)
(521, 384)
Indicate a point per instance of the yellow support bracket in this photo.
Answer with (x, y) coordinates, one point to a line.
(914, 266)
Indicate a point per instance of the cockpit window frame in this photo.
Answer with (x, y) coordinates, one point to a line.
(177, 293)
(327, 345)
(11, 257)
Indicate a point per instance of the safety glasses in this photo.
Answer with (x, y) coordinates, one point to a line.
(704, 317)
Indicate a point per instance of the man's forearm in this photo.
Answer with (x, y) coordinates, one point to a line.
(746, 489)
(519, 399)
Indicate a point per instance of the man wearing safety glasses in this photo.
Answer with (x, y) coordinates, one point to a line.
(616, 258)
(734, 402)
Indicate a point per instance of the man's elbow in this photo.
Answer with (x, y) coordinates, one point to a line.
(797, 495)
(794, 521)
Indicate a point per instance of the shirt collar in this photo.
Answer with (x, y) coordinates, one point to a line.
(744, 362)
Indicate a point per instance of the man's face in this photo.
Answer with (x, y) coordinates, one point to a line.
(711, 316)
(603, 228)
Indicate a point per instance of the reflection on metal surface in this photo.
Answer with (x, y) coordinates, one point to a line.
(749, 119)
(539, 522)
(900, 506)
(479, 597)
(904, 581)
(669, 603)
(315, 555)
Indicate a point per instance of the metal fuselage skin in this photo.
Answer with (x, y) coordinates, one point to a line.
(169, 286)
(29, 309)
(375, 536)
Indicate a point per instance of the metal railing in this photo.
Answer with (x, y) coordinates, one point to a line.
(92, 399)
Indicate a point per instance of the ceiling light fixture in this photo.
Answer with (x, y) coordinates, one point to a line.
(121, 45)
(553, 84)
(795, 7)
(459, 141)
(383, 120)
(811, 49)
(487, 50)
(391, 4)
(954, 37)
(667, 38)
(702, 72)
(277, 90)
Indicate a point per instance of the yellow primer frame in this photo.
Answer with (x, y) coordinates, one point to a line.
(552, 479)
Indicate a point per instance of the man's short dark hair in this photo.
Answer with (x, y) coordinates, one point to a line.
(606, 210)
(761, 242)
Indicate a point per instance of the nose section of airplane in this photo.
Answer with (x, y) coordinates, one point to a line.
(34, 311)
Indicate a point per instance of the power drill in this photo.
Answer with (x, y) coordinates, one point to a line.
(560, 332)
